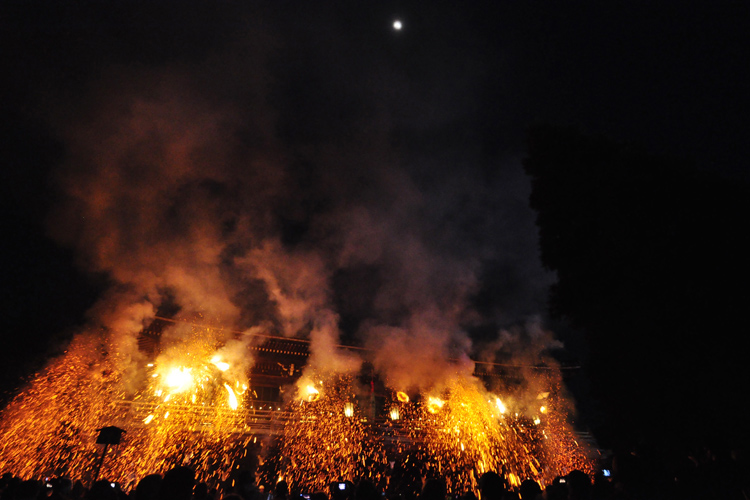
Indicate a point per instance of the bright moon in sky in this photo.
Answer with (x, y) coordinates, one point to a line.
(397, 25)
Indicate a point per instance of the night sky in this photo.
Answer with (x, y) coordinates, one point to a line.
(354, 133)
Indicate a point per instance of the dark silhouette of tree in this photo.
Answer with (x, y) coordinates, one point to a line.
(651, 256)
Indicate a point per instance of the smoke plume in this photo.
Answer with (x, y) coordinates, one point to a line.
(257, 192)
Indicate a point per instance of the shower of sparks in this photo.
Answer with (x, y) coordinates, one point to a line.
(191, 411)
(326, 440)
(500, 406)
(50, 428)
(311, 393)
(469, 434)
(458, 436)
(186, 415)
(434, 404)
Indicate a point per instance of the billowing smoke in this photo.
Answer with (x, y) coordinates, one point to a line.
(150, 202)
(226, 189)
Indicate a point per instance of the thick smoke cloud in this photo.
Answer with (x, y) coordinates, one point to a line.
(297, 191)
(160, 197)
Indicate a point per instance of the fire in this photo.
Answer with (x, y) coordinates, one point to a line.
(324, 441)
(192, 379)
(500, 406)
(434, 404)
(232, 401)
(464, 437)
(57, 415)
(514, 480)
(191, 395)
(349, 410)
(191, 412)
(458, 435)
(179, 379)
(218, 363)
(312, 394)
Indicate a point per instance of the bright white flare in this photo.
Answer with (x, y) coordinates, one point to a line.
(500, 405)
(434, 404)
(179, 379)
(349, 410)
(312, 393)
(397, 25)
(232, 397)
(218, 363)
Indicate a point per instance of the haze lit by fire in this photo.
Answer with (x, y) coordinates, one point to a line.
(189, 202)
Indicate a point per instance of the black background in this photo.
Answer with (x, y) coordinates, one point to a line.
(639, 180)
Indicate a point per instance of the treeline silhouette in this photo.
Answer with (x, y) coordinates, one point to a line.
(652, 261)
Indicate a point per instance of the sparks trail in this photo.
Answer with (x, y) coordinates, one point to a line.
(50, 428)
(457, 435)
(465, 431)
(187, 413)
(191, 410)
(326, 439)
(466, 435)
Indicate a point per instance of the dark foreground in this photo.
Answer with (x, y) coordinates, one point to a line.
(704, 475)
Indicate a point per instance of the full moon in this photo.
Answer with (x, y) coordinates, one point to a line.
(397, 25)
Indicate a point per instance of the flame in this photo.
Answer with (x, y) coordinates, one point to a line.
(183, 400)
(434, 404)
(320, 443)
(232, 401)
(514, 480)
(312, 393)
(459, 436)
(179, 379)
(349, 410)
(500, 406)
(218, 363)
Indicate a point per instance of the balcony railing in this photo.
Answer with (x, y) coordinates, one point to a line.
(265, 418)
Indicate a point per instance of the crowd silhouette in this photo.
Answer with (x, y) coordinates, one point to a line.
(704, 475)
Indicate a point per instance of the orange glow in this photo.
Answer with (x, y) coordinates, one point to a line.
(348, 410)
(183, 401)
(434, 404)
(500, 406)
(456, 433)
(179, 379)
(218, 363)
(312, 393)
(232, 400)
